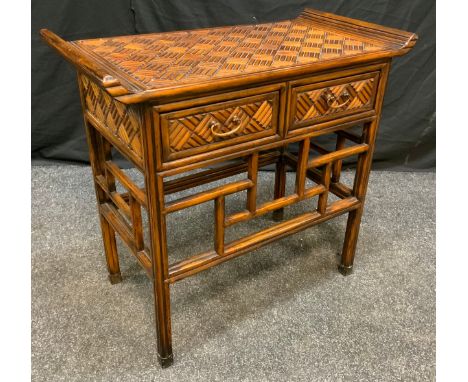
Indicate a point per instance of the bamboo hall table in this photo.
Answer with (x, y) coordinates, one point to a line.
(226, 101)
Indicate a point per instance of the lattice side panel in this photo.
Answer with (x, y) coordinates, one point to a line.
(123, 211)
(320, 169)
(121, 121)
(324, 163)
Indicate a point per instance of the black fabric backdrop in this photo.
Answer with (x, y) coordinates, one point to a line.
(406, 139)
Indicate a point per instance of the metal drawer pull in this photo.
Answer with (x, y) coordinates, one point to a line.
(331, 98)
(236, 121)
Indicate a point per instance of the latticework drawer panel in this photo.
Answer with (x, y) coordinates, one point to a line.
(122, 122)
(332, 99)
(211, 127)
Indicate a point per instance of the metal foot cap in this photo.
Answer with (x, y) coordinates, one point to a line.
(166, 361)
(345, 270)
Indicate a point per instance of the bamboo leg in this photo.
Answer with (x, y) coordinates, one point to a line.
(323, 198)
(361, 180)
(359, 190)
(158, 245)
(301, 169)
(98, 151)
(162, 305)
(219, 225)
(97, 154)
(252, 175)
(351, 237)
(280, 185)
(336, 169)
(110, 249)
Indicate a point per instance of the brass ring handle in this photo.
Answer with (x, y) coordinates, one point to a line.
(215, 125)
(331, 98)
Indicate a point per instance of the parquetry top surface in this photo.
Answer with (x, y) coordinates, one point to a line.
(163, 60)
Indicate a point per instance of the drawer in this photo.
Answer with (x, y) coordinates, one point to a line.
(318, 102)
(200, 129)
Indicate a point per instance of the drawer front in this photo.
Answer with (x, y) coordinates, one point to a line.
(197, 130)
(319, 102)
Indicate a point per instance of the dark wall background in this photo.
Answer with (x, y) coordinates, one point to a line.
(406, 138)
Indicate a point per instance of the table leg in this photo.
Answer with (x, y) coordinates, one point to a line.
(280, 185)
(110, 249)
(350, 242)
(359, 191)
(163, 322)
(162, 305)
(361, 180)
(97, 158)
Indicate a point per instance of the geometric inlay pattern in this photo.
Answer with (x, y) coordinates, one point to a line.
(122, 121)
(317, 103)
(165, 59)
(195, 130)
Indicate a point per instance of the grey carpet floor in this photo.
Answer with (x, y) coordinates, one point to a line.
(281, 313)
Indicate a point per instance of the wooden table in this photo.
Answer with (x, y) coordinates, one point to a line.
(229, 100)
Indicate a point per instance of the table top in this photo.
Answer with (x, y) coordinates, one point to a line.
(152, 63)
